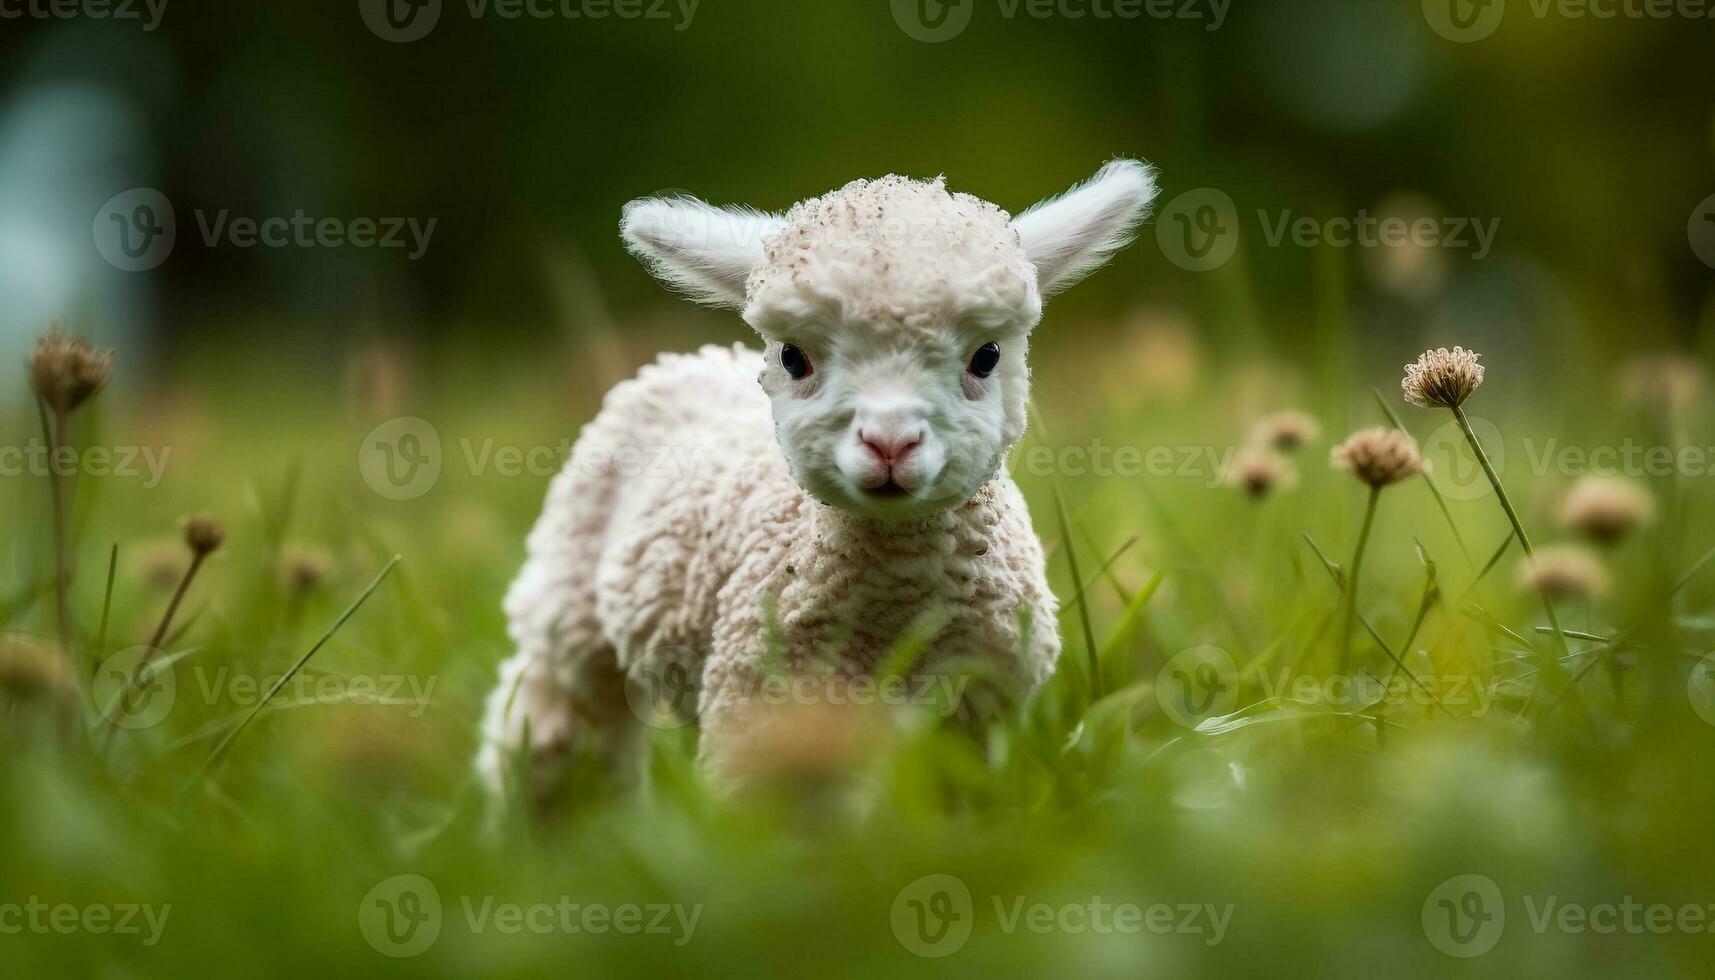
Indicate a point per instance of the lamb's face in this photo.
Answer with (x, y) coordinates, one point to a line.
(896, 318)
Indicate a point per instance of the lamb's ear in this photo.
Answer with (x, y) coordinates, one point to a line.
(704, 251)
(1070, 236)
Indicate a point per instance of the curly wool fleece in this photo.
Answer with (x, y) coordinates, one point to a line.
(693, 571)
(674, 569)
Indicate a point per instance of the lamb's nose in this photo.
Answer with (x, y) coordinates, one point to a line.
(890, 448)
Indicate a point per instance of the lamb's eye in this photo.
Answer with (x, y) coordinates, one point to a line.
(795, 363)
(985, 360)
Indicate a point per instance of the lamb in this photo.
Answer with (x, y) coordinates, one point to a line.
(734, 511)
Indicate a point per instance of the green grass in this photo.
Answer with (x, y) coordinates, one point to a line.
(1325, 827)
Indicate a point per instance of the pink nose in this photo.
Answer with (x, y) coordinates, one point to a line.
(889, 449)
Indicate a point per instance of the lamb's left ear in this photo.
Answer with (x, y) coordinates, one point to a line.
(704, 251)
(1070, 236)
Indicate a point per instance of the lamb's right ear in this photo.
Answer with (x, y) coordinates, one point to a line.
(704, 251)
(1070, 236)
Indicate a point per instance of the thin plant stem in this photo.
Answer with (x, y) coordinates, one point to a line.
(286, 678)
(1551, 667)
(1352, 579)
(54, 434)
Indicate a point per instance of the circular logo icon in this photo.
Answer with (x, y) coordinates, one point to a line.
(135, 688)
(135, 230)
(1700, 688)
(1464, 21)
(401, 917)
(661, 693)
(1453, 466)
(400, 21)
(932, 916)
(933, 21)
(1199, 230)
(1701, 231)
(400, 459)
(1464, 916)
(1198, 684)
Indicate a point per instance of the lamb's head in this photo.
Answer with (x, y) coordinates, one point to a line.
(896, 318)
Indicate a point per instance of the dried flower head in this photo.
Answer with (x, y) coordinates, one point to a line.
(1286, 431)
(304, 570)
(1378, 456)
(33, 672)
(1259, 471)
(1565, 571)
(204, 534)
(66, 371)
(1606, 508)
(1442, 377)
(1664, 383)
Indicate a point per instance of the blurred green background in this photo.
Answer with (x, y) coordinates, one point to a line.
(255, 374)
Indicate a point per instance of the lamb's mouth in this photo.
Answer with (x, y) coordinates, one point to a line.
(887, 491)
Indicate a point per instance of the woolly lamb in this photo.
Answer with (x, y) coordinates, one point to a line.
(856, 490)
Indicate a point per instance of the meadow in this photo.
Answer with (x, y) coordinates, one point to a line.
(1470, 793)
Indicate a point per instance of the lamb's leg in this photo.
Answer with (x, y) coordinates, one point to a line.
(564, 685)
(573, 703)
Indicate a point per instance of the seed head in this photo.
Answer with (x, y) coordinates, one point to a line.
(1606, 508)
(1565, 571)
(1442, 377)
(304, 571)
(65, 371)
(1378, 456)
(1285, 431)
(204, 534)
(1259, 471)
(32, 672)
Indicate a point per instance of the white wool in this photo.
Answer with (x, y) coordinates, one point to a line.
(749, 520)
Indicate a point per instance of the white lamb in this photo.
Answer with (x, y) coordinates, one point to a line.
(855, 491)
